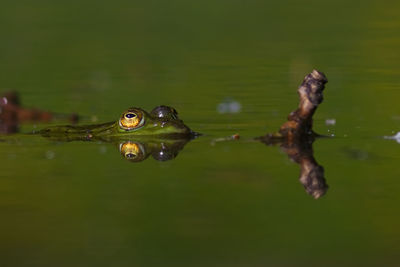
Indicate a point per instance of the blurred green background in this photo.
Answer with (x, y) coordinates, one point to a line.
(229, 204)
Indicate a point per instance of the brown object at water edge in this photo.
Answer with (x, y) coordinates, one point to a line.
(12, 113)
(310, 93)
(296, 136)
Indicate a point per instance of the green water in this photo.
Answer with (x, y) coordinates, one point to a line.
(236, 203)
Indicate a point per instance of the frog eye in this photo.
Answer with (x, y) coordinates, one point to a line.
(131, 119)
(165, 112)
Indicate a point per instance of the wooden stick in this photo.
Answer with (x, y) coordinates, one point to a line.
(299, 124)
(310, 93)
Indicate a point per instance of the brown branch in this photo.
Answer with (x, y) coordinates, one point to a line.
(299, 124)
(300, 121)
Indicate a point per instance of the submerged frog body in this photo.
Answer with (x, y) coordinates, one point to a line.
(161, 122)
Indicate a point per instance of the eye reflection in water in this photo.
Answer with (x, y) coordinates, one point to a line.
(135, 151)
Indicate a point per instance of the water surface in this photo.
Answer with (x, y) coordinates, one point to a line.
(236, 203)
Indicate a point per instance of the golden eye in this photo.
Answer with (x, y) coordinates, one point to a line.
(132, 151)
(131, 119)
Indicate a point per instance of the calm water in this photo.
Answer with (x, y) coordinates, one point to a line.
(236, 203)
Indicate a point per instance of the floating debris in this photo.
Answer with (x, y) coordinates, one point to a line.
(227, 138)
(329, 122)
(394, 137)
(229, 106)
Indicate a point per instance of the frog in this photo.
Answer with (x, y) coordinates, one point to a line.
(161, 123)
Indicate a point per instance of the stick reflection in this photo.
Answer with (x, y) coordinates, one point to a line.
(301, 152)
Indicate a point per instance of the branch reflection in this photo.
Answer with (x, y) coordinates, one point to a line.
(301, 152)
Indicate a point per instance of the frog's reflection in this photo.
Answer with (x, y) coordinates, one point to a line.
(135, 151)
(301, 152)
